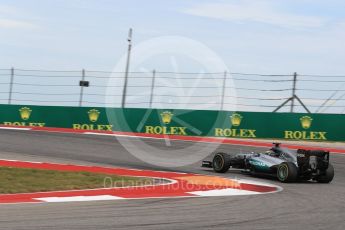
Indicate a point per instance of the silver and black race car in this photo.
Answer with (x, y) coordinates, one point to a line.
(285, 164)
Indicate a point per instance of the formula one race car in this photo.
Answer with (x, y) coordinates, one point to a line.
(285, 164)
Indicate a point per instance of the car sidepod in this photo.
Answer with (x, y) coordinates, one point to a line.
(264, 163)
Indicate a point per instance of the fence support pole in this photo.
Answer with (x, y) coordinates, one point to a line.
(293, 93)
(124, 93)
(292, 98)
(11, 86)
(82, 88)
(223, 91)
(152, 87)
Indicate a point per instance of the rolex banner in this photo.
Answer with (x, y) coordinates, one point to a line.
(297, 126)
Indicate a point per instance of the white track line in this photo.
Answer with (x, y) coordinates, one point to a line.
(78, 198)
(225, 192)
(15, 128)
(126, 135)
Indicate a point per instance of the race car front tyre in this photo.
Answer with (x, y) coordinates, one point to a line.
(287, 172)
(221, 162)
(327, 176)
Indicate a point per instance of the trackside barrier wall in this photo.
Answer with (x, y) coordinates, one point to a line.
(319, 127)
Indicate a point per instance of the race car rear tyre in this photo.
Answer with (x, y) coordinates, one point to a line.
(221, 162)
(328, 176)
(287, 172)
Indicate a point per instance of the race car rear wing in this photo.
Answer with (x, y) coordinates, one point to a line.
(322, 158)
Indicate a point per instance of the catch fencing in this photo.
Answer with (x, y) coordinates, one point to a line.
(177, 90)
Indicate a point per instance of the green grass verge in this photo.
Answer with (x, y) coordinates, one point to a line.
(21, 180)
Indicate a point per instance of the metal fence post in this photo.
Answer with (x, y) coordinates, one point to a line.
(152, 87)
(124, 93)
(293, 92)
(82, 88)
(292, 98)
(11, 86)
(223, 90)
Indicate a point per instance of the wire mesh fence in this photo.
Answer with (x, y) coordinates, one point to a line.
(181, 90)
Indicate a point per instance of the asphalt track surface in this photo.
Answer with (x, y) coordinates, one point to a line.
(298, 206)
